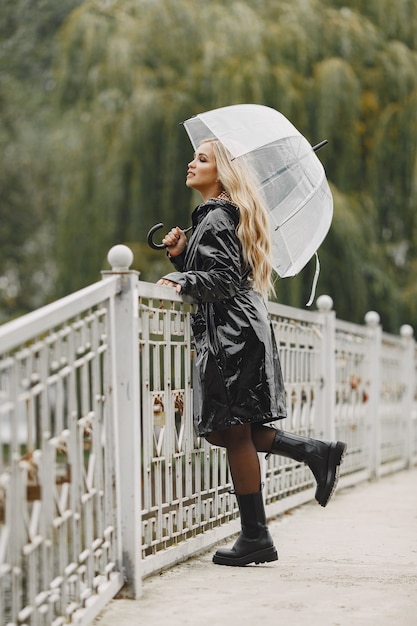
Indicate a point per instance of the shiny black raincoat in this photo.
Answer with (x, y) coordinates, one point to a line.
(237, 375)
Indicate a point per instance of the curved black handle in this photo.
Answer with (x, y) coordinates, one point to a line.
(155, 246)
(160, 246)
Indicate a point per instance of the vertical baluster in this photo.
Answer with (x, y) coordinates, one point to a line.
(16, 497)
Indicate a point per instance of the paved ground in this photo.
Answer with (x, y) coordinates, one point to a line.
(351, 564)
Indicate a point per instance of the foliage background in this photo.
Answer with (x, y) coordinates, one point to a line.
(92, 95)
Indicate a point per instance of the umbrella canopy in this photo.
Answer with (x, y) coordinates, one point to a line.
(288, 173)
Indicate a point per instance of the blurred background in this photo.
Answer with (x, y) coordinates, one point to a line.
(93, 153)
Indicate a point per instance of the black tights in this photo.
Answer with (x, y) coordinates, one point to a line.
(242, 444)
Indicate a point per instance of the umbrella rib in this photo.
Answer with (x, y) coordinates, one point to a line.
(302, 205)
(282, 169)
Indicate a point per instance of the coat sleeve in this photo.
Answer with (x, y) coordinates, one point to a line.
(178, 261)
(218, 261)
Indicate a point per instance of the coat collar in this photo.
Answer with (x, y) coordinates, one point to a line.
(202, 209)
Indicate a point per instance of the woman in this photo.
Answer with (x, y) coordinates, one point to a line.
(238, 385)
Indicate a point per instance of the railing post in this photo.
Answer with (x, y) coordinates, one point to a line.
(408, 376)
(328, 420)
(375, 335)
(124, 352)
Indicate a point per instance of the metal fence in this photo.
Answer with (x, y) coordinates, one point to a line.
(102, 479)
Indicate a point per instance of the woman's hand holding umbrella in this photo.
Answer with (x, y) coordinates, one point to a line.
(175, 242)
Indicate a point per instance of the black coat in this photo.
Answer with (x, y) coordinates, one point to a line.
(237, 376)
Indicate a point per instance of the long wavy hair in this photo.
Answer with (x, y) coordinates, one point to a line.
(253, 228)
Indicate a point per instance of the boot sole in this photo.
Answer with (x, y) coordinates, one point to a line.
(336, 454)
(262, 556)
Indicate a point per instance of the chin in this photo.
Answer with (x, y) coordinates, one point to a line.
(189, 183)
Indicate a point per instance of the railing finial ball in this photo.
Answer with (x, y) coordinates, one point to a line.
(120, 258)
(406, 331)
(372, 319)
(324, 303)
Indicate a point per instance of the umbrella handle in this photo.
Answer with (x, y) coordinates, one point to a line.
(152, 231)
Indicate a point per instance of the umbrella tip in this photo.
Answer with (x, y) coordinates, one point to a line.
(320, 145)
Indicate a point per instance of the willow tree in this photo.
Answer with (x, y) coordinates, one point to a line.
(27, 31)
(129, 72)
(396, 19)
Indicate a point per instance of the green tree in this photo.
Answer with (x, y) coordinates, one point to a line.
(27, 270)
(107, 154)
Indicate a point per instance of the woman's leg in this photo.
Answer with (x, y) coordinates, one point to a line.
(216, 438)
(254, 544)
(263, 437)
(243, 459)
(322, 457)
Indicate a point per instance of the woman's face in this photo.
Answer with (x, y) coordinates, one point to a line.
(202, 172)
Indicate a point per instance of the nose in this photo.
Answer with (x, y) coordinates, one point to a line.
(191, 163)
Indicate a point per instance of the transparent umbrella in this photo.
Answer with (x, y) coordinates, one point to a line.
(288, 173)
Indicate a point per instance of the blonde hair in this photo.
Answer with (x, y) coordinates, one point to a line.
(253, 228)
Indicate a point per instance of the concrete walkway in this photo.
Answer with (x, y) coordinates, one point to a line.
(351, 564)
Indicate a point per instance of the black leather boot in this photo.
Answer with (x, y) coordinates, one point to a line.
(254, 544)
(323, 458)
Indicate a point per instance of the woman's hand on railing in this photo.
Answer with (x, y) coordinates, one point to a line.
(169, 283)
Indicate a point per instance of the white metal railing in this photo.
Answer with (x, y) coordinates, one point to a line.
(59, 513)
(102, 479)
